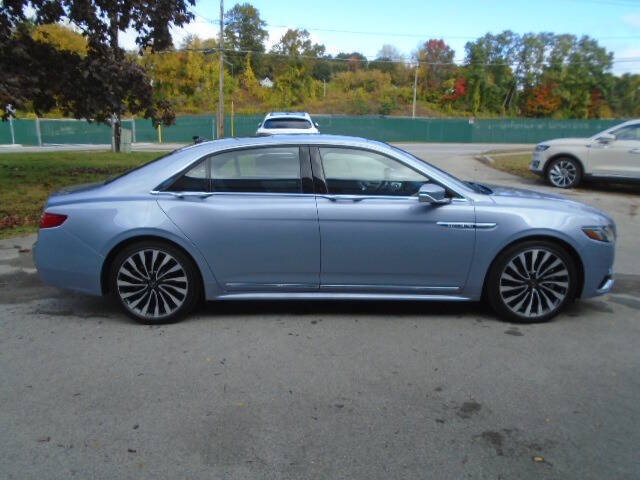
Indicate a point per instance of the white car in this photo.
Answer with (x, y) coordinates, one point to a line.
(280, 123)
(610, 155)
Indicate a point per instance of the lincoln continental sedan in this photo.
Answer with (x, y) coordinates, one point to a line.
(319, 217)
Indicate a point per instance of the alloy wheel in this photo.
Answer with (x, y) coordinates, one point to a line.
(563, 173)
(534, 283)
(152, 284)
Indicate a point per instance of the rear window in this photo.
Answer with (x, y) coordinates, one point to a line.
(276, 123)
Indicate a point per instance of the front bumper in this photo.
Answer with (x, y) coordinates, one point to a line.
(598, 268)
(537, 163)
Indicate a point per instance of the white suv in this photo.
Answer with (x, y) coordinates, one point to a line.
(610, 155)
(286, 122)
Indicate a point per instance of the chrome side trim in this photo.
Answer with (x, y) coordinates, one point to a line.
(467, 225)
(278, 286)
(340, 296)
(393, 288)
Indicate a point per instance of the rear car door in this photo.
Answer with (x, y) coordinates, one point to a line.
(255, 221)
(620, 157)
(375, 234)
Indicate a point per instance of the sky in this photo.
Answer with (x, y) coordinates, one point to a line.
(407, 23)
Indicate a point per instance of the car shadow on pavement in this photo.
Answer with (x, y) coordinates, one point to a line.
(387, 308)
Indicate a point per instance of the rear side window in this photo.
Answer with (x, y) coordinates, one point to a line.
(277, 123)
(195, 180)
(271, 170)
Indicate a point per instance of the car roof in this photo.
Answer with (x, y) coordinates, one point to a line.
(288, 114)
(287, 139)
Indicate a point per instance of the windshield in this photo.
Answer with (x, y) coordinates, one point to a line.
(277, 123)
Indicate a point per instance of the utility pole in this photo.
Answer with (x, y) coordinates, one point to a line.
(415, 88)
(220, 117)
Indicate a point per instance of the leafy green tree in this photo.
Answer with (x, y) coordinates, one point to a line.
(244, 31)
(105, 83)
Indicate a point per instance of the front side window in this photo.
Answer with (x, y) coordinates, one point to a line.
(297, 123)
(351, 171)
(630, 132)
(273, 169)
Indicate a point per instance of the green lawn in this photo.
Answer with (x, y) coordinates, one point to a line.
(27, 179)
(516, 164)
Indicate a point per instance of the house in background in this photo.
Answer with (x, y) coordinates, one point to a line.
(266, 82)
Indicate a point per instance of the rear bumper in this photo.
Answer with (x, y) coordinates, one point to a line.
(64, 261)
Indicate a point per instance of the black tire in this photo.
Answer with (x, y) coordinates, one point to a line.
(564, 172)
(171, 285)
(545, 290)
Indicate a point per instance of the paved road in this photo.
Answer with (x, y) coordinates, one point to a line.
(321, 390)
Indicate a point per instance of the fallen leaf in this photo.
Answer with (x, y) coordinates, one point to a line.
(538, 459)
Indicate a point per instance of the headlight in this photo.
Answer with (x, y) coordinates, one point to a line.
(541, 147)
(602, 234)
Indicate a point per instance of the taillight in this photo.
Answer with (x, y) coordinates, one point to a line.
(50, 220)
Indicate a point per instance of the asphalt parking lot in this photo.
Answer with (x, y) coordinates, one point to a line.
(324, 390)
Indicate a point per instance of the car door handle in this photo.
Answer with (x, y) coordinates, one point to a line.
(635, 150)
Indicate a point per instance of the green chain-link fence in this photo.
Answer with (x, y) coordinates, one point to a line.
(389, 129)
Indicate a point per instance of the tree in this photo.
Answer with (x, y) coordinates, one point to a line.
(297, 42)
(541, 101)
(244, 31)
(61, 37)
(105, 83)
(350, 61)
(436, 66)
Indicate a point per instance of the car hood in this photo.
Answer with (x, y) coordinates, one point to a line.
(529, 198)
(559, 142)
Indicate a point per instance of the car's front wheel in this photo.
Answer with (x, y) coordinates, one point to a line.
(532, 282)
(154, 282)
(564, 172)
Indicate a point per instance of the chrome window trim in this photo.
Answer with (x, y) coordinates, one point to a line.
(466, 196)
(300, 194)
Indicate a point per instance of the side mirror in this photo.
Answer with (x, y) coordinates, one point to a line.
(259, 124)
(432, 193)
(606, 138)
(316, 124)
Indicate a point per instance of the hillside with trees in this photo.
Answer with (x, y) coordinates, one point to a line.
(505, 74)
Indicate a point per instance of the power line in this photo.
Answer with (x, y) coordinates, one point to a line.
(400, 61)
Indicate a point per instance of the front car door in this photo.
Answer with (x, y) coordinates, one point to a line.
(256, 222)
(375, 234)
(620, 157)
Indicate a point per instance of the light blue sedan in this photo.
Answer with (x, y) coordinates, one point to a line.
(319, 217)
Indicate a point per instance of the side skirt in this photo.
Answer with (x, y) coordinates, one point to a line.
(340, 296)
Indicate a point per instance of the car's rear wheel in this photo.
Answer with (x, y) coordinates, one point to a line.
(564, 172)
(154, 282)
(532, 282)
